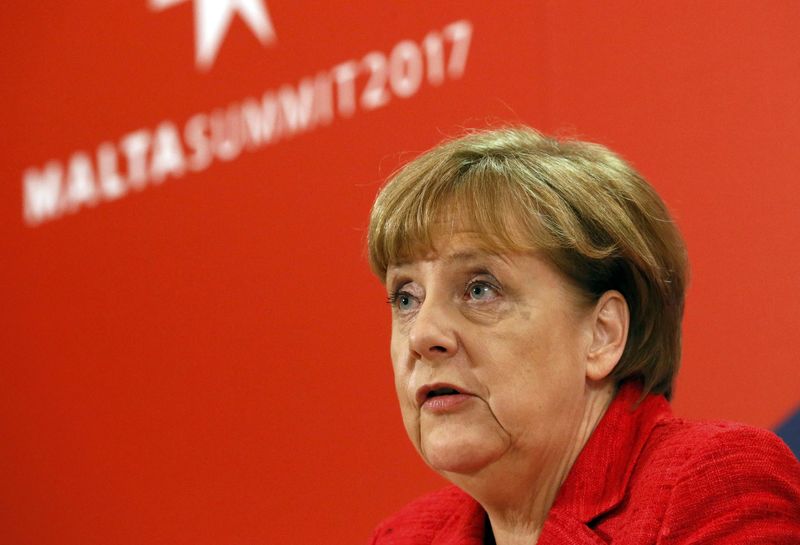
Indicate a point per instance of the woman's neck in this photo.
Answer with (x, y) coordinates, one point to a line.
(518, 491)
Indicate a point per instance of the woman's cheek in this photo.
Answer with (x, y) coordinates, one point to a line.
(411, 422)
(488, 313)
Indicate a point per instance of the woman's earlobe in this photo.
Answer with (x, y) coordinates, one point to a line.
(610, 323)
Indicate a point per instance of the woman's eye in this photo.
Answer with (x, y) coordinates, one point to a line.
(481, 291)
(402, 300)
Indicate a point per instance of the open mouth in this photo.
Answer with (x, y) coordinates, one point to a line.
(441, 398)
(442, 392)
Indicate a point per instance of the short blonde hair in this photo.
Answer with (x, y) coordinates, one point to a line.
(592, 215)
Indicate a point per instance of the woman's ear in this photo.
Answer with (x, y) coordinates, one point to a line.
(610, 322)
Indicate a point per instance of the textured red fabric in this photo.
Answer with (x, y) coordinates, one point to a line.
(643, 477)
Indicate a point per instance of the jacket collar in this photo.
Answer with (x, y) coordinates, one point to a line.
(599, 478)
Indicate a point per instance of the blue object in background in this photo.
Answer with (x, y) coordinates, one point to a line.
(789, 431)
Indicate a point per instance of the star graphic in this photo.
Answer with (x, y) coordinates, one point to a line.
(212, 19)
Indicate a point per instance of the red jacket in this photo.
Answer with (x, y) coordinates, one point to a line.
(644, 477)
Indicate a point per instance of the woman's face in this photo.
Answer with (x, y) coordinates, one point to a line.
(488, 355)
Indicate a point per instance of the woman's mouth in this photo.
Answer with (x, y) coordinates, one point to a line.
(442, 392)
(439, 398)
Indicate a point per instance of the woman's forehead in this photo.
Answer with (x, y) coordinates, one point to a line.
(458, 247)
(409, 238)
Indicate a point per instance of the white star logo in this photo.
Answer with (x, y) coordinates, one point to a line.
(212, 19)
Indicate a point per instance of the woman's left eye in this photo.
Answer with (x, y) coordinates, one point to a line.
(481, 291)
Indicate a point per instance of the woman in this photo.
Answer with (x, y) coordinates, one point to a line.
(537, 290)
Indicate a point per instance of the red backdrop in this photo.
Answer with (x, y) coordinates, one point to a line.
(194, 350)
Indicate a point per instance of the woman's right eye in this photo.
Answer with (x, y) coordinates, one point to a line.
(402, 300)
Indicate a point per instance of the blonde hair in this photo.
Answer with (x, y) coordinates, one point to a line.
(592, 215)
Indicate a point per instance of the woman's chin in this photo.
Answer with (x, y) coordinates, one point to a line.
(460, 454)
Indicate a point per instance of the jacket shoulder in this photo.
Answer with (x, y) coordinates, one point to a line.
(420, 521)
(682, 441)
(713, 450)
(727, 482)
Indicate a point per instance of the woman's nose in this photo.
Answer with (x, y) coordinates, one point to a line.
(432, 335)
